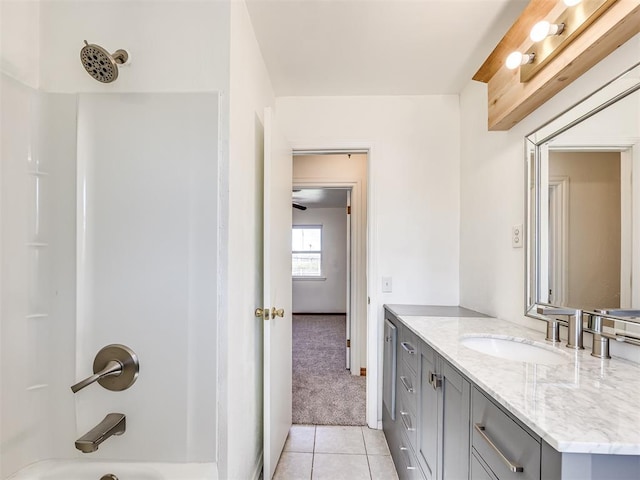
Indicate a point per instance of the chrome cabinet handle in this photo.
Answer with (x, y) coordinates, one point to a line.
(408, 347)
(435, 380)
(406, 385)
(513, 467)
(405, 450)
(404, 422)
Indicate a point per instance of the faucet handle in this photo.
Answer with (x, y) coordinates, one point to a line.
(115, 367)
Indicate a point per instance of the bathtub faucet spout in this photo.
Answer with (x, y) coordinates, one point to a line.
(112, 424)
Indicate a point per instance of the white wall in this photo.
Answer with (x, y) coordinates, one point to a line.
(20, 41)
(492, 197)
(240, 356)
(328, 295)
(413, 223)
(173, 46)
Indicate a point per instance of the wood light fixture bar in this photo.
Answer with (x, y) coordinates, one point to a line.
(593, 29)
(575, 20)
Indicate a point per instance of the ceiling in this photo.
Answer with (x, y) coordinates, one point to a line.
(377, 47)
(321, 197)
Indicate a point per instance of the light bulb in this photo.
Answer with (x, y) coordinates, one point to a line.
(543, 29)
(515, 59)
(571, 3)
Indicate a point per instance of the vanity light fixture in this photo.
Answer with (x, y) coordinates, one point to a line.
(516, 59)
(551, 37)
(544, 29)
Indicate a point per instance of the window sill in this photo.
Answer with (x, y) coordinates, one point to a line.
(306, 279)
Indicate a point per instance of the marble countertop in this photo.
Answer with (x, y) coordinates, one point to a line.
(585, 405)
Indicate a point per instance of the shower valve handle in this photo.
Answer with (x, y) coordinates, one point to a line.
(115, 367)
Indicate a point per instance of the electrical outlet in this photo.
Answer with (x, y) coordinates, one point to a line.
(517, 236)
(386, 285)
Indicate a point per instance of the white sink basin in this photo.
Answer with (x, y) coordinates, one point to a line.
(517, 349)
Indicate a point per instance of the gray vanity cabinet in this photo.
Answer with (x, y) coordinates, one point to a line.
(429, 437)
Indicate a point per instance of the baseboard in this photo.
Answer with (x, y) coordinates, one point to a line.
(319, 313)
(363, 372)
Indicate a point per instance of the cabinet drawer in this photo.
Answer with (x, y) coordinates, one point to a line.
(502, 443)
(407, 420)
(478, 472)
(408, 386)
(407, 465)
(409, 348)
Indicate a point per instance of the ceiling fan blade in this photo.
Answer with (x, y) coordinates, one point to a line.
(298, 206)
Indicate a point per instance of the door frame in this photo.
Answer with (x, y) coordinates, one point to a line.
(374, 316)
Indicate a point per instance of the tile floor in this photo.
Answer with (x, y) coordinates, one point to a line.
(334, 453)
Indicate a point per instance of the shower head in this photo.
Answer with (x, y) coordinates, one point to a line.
(100, 64)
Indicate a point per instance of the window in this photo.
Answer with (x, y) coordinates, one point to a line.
(307, 251)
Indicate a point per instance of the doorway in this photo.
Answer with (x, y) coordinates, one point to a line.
(329, 288)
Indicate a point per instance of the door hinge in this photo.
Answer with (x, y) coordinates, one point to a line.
(368, 300)
(349, 210)
(348, 343)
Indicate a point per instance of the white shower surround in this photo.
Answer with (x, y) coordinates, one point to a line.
(41, 418)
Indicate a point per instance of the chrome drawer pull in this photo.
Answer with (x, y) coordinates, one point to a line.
(408, 347)
(406, 385)
(514, 467)
(405, 450)
(404, 422)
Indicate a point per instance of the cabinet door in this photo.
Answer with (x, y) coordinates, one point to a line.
(428, 415)
(455, 406)
(389, 367)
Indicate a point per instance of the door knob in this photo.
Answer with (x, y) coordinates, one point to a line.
(277, 312)
(262, 313)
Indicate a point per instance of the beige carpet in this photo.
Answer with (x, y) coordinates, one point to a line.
(324, 392)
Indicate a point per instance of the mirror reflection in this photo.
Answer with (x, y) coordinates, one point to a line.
(584, 245)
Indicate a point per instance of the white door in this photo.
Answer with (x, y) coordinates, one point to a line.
(277, 292)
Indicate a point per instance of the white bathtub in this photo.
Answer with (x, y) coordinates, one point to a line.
(94, 470)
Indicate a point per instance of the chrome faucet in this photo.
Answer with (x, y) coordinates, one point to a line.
(112, 424)
(600, 348)
(574, 323)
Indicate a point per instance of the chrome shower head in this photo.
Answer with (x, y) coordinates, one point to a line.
(100, 64)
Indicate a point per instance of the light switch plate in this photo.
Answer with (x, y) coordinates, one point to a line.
(386, 285)
(517, 238)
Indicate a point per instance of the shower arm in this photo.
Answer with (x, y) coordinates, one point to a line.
(113, 367)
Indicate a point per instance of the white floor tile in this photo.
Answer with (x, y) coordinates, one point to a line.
(382, 467)
(294, 466)
(301, 439)
(375, 442)
(327, 466)
(345, 440)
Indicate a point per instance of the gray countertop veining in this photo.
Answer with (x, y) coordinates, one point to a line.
(585, 405)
